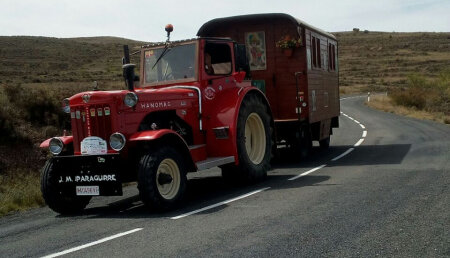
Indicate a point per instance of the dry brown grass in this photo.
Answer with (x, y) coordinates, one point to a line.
(385, 103)
(387, 58)
(19, 190)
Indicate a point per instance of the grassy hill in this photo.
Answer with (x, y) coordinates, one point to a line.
(45, 60)
(387, 59)
(36, 73)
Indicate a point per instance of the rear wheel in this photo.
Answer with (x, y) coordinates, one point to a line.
(162, 178)
(254, 142)
(54, 198)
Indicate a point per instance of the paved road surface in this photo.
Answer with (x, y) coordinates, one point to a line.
(388, 196)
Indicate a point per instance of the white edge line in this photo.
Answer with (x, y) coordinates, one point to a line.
(359, 142)
(356, 121)
(307, 172)
(364, 133)
(343, 154)
(219, 204)
(362, 126)
(92, 243)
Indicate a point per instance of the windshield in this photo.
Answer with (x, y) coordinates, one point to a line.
(178, 63)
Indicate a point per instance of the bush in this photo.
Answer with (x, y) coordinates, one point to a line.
(8, 113)
(38, 105)
(423, 94)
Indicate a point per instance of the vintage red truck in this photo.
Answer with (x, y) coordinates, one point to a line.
(226, 98)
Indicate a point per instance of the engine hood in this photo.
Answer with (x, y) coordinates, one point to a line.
(148, 97)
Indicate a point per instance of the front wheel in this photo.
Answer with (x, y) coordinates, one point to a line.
(162, 178)
(54, 198)
(254, 142)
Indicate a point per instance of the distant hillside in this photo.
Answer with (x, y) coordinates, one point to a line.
(41, 60)
(385, 58)
(366, 59)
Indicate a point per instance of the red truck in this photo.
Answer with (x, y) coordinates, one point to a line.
(227, 98)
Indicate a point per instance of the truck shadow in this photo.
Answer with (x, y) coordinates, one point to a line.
(361, 155)
(201, 192)
(205, 190)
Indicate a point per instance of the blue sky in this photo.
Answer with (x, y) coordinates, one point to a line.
(145, 19)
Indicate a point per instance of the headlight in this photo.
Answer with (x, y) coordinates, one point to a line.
(56, 146)
(117, 141)
(130, 99)
(66, 106)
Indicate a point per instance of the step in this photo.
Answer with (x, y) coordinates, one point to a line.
(214, 162)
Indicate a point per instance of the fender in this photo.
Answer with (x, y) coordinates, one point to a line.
(65, 139)
(224, 113)
(167, 136)
(152, 135)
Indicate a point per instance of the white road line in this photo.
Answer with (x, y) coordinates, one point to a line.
(359, 142)
(351, 118)
(345, 115)
(364, 134)
(362, 126)
(92, 243)
(219, 204)
(343, 154)
(307, 172)
(356, 121)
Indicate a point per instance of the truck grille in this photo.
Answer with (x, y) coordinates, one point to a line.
(92, 120)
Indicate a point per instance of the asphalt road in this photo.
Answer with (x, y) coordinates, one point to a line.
(388, 196)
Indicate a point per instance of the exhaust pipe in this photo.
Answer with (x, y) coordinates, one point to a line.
(128, 69)
(128, 74)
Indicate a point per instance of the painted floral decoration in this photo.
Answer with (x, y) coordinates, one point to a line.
(288, 42)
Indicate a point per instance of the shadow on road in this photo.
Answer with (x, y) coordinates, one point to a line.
(373, 155)
(361, 155)
(201, 192)
(207, 190)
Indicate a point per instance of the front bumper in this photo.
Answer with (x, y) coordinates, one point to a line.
(101, 172)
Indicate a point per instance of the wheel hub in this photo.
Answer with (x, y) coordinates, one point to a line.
(168, 179)
(164, 179)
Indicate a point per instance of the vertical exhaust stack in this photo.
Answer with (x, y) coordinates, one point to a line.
(128, 69)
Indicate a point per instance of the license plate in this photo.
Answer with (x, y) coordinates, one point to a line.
(88, 190)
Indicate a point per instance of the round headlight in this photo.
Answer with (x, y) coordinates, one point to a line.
(130, 99)
(56, 146)
(66, 106)
(117, 141)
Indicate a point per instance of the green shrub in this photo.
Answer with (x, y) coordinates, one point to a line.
(423, 94)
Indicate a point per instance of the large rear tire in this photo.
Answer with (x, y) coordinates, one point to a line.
(254, 142)
(54, 198)
(162, 178)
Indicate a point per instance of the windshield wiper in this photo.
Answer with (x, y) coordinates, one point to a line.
(165, 51)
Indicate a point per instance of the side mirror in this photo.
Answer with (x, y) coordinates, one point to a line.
(240, 54)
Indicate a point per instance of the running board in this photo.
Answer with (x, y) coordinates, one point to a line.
(213, 162)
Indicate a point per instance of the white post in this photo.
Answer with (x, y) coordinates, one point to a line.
(368, 96)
